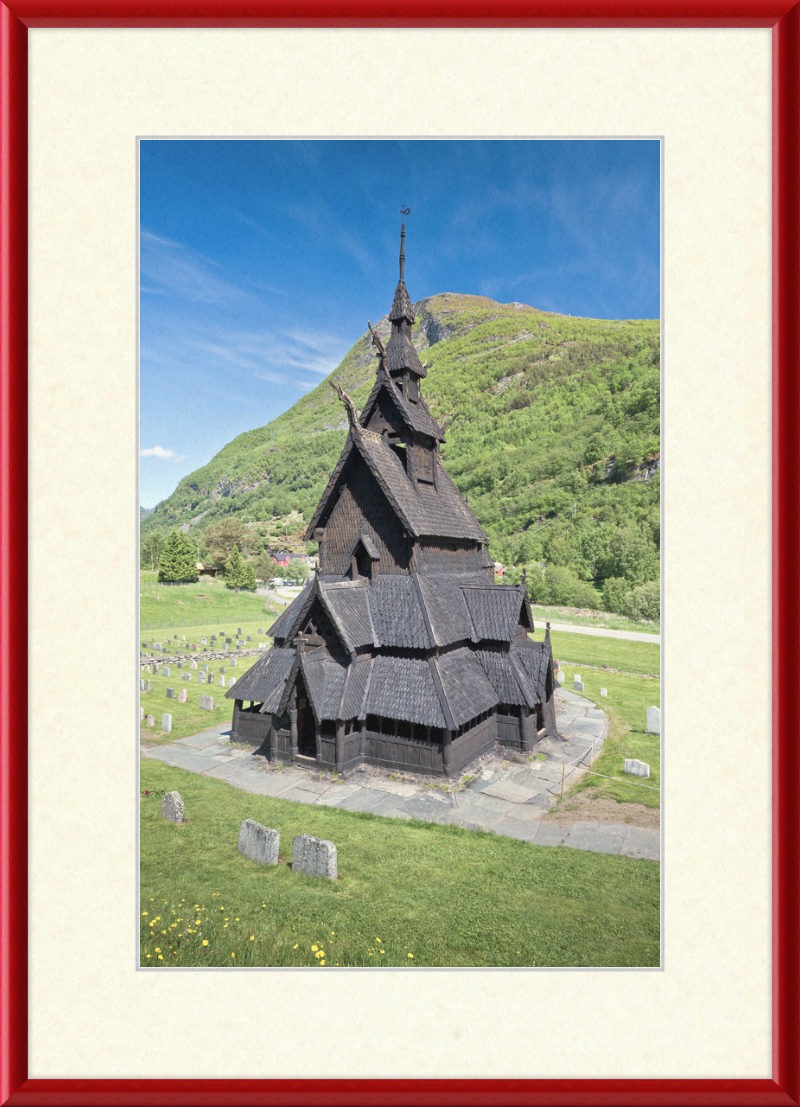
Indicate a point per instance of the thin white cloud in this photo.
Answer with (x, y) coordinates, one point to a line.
(159, 451)
(167, 266)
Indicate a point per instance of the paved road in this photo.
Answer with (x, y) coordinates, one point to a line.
(603, 632)
(508, 797)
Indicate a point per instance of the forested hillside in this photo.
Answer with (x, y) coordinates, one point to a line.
(552, 427)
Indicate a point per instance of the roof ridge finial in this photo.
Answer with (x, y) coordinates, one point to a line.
(402, 249)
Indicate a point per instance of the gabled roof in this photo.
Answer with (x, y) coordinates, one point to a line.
(510, 682)
(415, 415)
(403, 688)
(495, 610)
(401, 354)
(266, 680)
(467, 688)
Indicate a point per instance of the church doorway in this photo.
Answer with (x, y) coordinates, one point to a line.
(306, 725)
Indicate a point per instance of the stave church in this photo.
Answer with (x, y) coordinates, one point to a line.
(401, 651)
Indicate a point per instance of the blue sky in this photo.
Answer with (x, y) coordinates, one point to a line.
(261, 261)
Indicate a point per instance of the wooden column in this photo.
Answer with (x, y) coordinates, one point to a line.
(318, 743)
(339, 744)
(293, 731)
(273, 740)
(362, 747)
(447, 738)
(237, 707)
(527, 729)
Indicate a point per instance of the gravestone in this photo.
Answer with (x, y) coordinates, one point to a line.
(258, 843)
(193, 666)
(225, 646)
(201, 677)
(172, 807)
(227, 641)
(262, 645)
(166, 724)
(183, 696)
(186, 676)
(577, 683)
(603, 691)
(221, 681)
(204, 668)
(147, 686)
(141, 684)
(233, 662)
(248, 637)
(636, 768)
(170, 693)
(150, 720)
(207, 703)
(141, 714)
(231, 681)
(204, 641)
(314, 856)
(260, 630)
(222, 668)
(165, 670)
(653, 720)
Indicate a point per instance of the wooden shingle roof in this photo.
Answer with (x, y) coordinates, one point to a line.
(467, 688)
(415, 415)
(400, 353)
(265, 681)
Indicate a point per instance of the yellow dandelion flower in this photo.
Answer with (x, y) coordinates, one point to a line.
(411, 955)
(295, 945)
(163, 932)
(236, 919)
(233, 955)
(158, 949)
(224, 926)
(161, 955)
(332, 933)
(253, 938)
(383, 951)
(149, 955)
(314, 949)
(197, 922)
(144, 912)
(322, 962)
(205, 941)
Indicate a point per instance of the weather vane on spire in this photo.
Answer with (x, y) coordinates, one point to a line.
(405, 211)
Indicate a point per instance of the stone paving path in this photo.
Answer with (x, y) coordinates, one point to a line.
(508, 797)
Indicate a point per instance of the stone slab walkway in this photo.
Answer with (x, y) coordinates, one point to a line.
(507, 797)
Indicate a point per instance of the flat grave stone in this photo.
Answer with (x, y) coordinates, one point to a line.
(259, 843)
(183, 696)
(172, 807)
(636, 768)
(231, 681)
(150, 720)
(314, 856)
(170, 693)
(207, 703)
(603, 691)
(165, 670)
(166, 723)
(654, 720)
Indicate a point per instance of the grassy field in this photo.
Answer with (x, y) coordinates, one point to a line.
(591, 619)
(188, 718)
(614, 653)
(409, 894)
(626, 705)
(173, 607)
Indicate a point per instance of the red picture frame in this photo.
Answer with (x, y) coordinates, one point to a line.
(784, 20)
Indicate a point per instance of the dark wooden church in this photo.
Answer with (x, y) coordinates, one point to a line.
(401, 651)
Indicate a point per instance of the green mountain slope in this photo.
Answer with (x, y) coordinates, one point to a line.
(552, 426)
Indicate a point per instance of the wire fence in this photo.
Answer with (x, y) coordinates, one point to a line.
(576, 761)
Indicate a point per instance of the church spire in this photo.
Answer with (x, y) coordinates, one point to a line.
(402, 249)
(401, 305)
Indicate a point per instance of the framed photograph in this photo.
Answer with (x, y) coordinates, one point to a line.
(717, 1023)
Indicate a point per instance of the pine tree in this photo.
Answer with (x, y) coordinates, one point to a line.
(249, 577)
(177, 561)
(234, 570)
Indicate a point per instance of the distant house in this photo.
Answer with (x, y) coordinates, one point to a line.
(499, 569)
(204, 570)
(283, 557)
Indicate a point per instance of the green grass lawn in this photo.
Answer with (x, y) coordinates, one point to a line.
(616, 653)
(626, 705)
(188, 718)
(409, 893)
(597, 619)
(173, 607)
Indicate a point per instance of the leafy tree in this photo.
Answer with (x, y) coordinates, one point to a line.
(150, 549)
(297, 571)
(178, 559)
(220, 539)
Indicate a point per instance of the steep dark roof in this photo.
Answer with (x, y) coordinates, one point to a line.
(284, 624)
(415, 415)
(495, 610)
(349, 608)
(265, 681)
(443, 600)
(424, 510)
(400, 353)
(325, 679)
(397, 615)
(401, 304)
(403, 688)
(533, 658)
(466, 686)
(510, 682)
